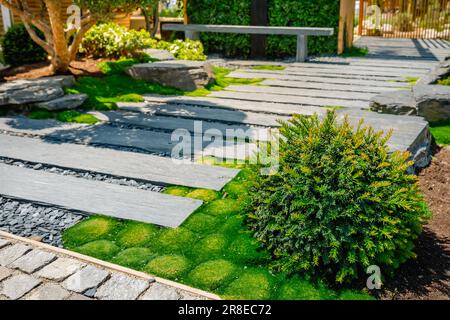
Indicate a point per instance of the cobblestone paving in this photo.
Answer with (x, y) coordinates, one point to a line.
(28, 272)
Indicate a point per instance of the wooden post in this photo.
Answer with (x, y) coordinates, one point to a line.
(346, 25)
(259, 17)
(361, 17)
(186, 18)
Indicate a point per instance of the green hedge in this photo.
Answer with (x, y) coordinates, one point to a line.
(301, 13)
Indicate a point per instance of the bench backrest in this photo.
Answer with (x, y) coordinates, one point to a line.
(249, 29)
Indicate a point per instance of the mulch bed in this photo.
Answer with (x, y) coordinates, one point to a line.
(80, 67)
(428, 277)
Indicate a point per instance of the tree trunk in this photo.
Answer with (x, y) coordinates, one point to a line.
(148, 23)
(155, 20)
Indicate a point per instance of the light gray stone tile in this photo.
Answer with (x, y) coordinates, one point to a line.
(34, 260)
(78, 297)
(19, 285)
(3, 243)
(4, 273)
(49, 291)
(122, 287)
(60, 269)
(87, 278)
(11, 253)
(158, 291)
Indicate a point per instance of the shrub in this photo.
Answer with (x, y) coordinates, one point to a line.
(19, 49)
(109, 40)
(183, 50)
(339, 203)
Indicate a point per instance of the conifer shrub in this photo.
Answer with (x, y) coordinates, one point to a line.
(339, 203)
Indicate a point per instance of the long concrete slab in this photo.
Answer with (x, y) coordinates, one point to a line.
(350, 69)
(95, 197)
(118, 163)
(300, 100)
(322, 79)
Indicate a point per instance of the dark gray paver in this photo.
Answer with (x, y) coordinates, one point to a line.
(87, 278)
(119, 163)
(300, 100)
(247, 74)
(49, 291)
(33, 261)
(19, 285)
(228, 104)
(122, 287)
(11, 253)
(191, 111)
(303, 92)
(95, 197)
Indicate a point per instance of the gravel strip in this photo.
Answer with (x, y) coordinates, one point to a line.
(31, 220)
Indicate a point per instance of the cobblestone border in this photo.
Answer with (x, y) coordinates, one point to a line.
(110, 266)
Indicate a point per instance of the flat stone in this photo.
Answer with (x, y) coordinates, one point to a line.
(4, 273)
(182, 74)
(11, 253)
(161, 55)
(60, 269)
(71, 101)
(95, 197)
(78, 297)
(121, 287)
(189, 296)
(17, 286)
(4, 243)
(34, 260)
(49, 291)
(397, 102)
(433, 102)
(158, 291)
(31, 95)
(87, 278)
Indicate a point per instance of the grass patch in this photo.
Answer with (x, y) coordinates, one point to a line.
(177, 191)
(135, 258)
(203, 194)
(101, 249)
(202, 223)
(223, 207)
(251, 285)
(76, 117)
(299, 289)
(269, 67)
(41, 114)
(212, 246)
(176, 240)
(441, 132)
(444, 82)
(136, 234)
(355, 52)
(91, 229)
(212, 274)
(170, 266)
(246, 249)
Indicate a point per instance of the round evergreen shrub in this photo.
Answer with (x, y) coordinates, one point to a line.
(20, 49)
(339, 203)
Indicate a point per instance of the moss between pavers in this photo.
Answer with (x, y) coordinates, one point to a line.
(211, 250)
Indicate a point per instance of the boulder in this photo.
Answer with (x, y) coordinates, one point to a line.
(21, 92)
(71, 101)
(161, 55)
(396, 102)
(181, 74)
(433, 102)
(442, 71)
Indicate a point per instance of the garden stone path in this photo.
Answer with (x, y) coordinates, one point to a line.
(35, 271)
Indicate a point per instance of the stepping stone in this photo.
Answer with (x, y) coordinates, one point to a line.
(17, 286)
(4, 243)
(325, 80)
(33, 261)
(94, 197)
(191, 111)
(60, 269)
(325, 86)
(242, 97)
(349, 69)
(132, 165)
(4, 273)
(121, 287)
(49, 291)
(11, 253)
(205, 128)
(160, 291)
(254, 106)
(70, 101)
(87, 278)
(314, 93)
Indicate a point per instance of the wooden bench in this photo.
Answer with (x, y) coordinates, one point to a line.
(192, 31)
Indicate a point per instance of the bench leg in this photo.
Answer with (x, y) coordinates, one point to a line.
(302, 48)
(192, 35)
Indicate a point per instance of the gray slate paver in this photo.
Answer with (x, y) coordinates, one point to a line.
(18, 285)
(4, 273)
(121, 287)
(87, 278)
(60, 269)
(34, 260)
(95, 197)
(158, 291)
(11, 253)
(4, 243)
(49, 291)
